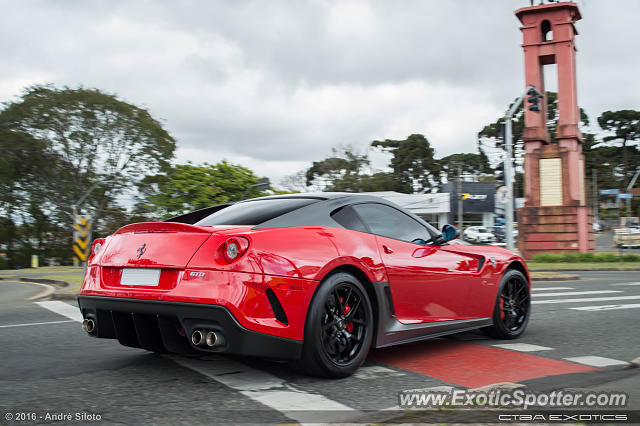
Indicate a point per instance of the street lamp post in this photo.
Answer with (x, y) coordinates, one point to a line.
(460, 212)
(263, 184)
(534, 96)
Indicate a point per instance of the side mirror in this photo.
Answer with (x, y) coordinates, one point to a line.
(449, 232)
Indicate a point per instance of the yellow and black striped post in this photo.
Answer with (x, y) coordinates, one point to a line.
(81, 238)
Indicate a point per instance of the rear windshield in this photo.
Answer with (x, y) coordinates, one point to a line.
(255, 212)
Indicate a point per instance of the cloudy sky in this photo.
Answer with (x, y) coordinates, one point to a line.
(273, 85)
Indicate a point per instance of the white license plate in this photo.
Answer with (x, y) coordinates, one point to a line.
(149, 277)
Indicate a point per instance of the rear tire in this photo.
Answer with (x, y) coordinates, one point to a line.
(338, 329)
(512, 308)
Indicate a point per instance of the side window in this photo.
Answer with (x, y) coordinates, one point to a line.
(346, 217)
(389, 222)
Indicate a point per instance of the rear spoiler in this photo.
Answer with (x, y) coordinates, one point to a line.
(162, 227)
(198, 215)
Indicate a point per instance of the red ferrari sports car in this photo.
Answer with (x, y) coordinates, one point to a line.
(317, 279)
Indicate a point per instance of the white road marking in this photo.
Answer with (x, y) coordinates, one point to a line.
(626, 284)
(596, 361)
(585, 299)
(35, 323)
(375, 372)
(607, 307)
(522, 347)
(61, 308)
(266, 388)
(577, 293)
(551, 288)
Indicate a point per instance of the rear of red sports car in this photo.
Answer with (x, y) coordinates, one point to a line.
(174, 287)
(316, 279)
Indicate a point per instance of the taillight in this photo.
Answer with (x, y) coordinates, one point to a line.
(234, 248)
(95, 247)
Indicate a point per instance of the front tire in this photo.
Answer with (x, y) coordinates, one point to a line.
(512, 308)
(339, 328)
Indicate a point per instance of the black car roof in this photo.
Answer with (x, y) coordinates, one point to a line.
(319, 214)
(317, 195)
(315, 214)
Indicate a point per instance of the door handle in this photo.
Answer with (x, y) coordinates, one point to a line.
(387, 249)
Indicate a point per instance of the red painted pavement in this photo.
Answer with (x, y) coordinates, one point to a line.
(471, 365)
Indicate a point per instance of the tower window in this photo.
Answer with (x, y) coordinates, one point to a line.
(545, 28)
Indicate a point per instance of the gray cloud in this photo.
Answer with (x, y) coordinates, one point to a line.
(274, 85)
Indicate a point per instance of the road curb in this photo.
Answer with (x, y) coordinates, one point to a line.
(52, 286)
(622, 269)
(48, 290)
(561, 278)
(62, 284)
(64, 296)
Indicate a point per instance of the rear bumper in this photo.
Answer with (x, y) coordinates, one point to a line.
(162, 326)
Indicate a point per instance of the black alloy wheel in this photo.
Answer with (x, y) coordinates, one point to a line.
(344, 323)
(338, 329)
(512, 308)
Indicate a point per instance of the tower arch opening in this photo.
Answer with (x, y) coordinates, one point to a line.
(545, 31)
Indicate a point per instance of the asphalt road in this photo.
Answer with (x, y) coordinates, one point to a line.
(50, 368)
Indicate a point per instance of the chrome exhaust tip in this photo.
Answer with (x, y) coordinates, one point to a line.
(88, 325)
(197, 338)
(214, 339)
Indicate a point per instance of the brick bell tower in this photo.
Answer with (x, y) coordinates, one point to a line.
(555, 217)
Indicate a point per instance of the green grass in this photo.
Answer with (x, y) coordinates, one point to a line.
(581, 265)
(589, 257)
(42, 270)
(71, 279)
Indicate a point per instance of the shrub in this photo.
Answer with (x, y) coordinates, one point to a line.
(630, 257)
(608, 257)
(545, 258)
(584, 257)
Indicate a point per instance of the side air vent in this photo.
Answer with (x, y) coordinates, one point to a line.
(278, 311)
(481, 263)
(387, 294)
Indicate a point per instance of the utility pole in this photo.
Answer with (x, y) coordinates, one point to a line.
(596, 200)
(508, 162)
(460, 213)
(633, 182)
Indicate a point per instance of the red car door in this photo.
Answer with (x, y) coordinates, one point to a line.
(428, 283)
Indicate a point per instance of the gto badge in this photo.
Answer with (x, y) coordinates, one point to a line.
(493, 262)
(142, 250)
(196, 274)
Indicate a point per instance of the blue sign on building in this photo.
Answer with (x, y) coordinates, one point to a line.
(609, 191)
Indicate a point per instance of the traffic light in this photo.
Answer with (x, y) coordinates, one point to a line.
(534, 99)
(499, 172)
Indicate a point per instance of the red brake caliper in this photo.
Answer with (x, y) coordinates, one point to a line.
(349, 325)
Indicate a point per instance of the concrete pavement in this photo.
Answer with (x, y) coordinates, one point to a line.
(53, 366)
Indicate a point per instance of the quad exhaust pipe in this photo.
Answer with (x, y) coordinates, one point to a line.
(207, 338)
(197, 337)
(89, 325)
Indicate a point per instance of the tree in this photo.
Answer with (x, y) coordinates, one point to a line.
(188, 187)
(491, 137)
(347, 171)
(96, 138)
(339, 172)
(413, 162)
(625, 125)
(470, 163)
(24, 176)
(54, 145)
(296, 182)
